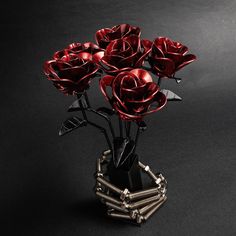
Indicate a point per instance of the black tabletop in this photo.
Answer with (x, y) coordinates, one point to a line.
(47, 181)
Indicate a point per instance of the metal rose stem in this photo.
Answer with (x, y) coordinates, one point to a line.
(100, 114)
(127, 128)
(87, 99)
(82, 108)
(136, 138)
(159, 81)
(106, 118)
(103, 130)
(120, 127)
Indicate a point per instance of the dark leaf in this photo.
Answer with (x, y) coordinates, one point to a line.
(106, 110)
(170, 95)
(122, 150)
(71, 124)
(76, 107)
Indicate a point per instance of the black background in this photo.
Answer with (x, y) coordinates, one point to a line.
(47, 181)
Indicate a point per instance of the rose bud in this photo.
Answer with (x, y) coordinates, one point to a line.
(77, 48)
(125, 54)
(105, 36)
(71, 73)
(133, 94)
(168, 56)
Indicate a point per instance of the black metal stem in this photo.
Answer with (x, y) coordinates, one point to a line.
(106, 118)
(159, 82)
(127, 128)
(87, 99)
(120, 127)
(136, 138)
(103, 131)
(83, 110)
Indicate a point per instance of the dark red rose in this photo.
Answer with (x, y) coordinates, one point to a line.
(105, 36)
(76, 48)
(168, 56)
(134, 94)
(71, 73)
(124, 54)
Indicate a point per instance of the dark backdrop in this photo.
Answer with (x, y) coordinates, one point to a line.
(47, 181)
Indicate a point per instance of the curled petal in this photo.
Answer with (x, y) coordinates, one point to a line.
(147, 46)
(60, 54)
(85, 56)
(134, 41)
(187, 59)
(164, 66)
(175, 57)
(107, 35)
(142, 74)
(105, 82)
(75, 46)
(98, 56)
(101, 38)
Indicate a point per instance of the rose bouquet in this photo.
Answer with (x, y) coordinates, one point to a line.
(122, 62)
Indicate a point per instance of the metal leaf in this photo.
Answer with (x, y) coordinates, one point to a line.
(170, 95)
(76, 107)
(122, 149)
(71, 124)
(106, 110)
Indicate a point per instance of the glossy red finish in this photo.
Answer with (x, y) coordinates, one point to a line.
(168, 56)
(76, 48)
(133, 94)
(124, 54)
(70, 73)
(105, 36)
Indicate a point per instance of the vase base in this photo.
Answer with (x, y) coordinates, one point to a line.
(126, 178)
(135, 207)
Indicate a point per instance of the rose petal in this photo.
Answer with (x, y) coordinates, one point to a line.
(164, 66)
(104, 82)
(187, 59)
(98, 56)
(142, 74)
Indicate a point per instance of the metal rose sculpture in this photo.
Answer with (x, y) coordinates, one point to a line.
(133, 93)
(129, 71)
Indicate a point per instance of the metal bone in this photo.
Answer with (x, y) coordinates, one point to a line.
(123, 194)
(151, 211)
(144, 202)
(99, 167)
(98, 174)
(113, 206)
(119, 215)
(109, 185)
(103, 158)
(145, 209)
(107, 152)
(141, 165)
(143, 193)
(108, 198)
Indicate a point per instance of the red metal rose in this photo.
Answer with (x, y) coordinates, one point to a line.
(124, 54)
(168, 56)
(76, 48)
(71, 73)
(105, 36)
(134, 94)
